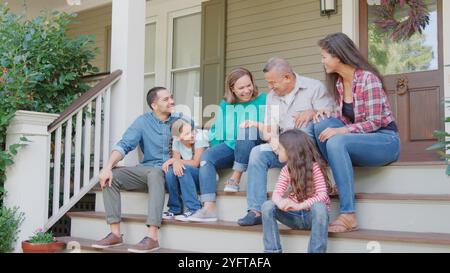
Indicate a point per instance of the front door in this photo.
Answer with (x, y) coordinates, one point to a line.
(413, 75)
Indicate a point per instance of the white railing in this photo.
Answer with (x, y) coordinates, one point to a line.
(72, 172)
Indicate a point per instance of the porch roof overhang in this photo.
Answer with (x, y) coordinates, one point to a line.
(32, 8)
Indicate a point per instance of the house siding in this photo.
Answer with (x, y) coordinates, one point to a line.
(260, 29)
(97, 22)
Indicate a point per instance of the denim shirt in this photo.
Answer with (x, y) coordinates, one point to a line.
(153, 137)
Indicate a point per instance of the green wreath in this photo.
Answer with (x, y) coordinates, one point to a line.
(418, 18)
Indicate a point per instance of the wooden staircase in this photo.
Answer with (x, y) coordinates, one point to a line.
(399, 208)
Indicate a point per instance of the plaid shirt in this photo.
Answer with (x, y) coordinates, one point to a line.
(370, 103)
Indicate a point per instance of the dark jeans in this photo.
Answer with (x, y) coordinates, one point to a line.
(223, 157)
(187, 185)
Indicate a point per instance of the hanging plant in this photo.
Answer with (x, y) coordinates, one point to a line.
(418, 18)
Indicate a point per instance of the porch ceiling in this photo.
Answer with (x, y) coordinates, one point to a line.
(33, 7)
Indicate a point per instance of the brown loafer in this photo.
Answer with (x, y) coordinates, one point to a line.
(145, 245)
(110, 240)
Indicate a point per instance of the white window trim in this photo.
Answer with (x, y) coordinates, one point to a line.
(172, 16)
(149, 21)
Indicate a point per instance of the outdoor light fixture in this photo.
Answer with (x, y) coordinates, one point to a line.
(73, 2)
(328, 7)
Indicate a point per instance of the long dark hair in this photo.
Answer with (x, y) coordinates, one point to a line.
(342, 47)
(302, 154)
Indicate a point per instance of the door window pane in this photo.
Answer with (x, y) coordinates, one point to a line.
(186, 41)
(417, 54)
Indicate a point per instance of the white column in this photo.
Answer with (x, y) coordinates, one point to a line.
(350, 19)
(27, 181)
(446, 47)
(127, 54)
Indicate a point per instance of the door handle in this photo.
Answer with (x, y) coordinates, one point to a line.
(402, 86)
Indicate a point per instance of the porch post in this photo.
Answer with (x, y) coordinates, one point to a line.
(127, 54)
(446, 46)
(350, 19)
(27, 183)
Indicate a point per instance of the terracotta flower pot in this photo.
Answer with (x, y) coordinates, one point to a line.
(28, 247)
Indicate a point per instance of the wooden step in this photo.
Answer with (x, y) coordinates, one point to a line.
(366, 234)
(358, 196)
(393, 179)
(86, 246)
(400, 212)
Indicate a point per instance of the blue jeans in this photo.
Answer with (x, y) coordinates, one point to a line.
(188, 185)
(309, 130)
(315, 220)
(261, 159)
(343, 151)
(222, 157)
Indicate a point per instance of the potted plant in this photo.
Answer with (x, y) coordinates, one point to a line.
(42, 242)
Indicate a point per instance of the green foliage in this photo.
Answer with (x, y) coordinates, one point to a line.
(443, 145)
(41, 237)
(41, 69)
(10, 221)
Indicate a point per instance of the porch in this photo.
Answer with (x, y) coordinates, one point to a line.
(189, 46)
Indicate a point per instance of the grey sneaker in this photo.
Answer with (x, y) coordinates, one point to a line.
(145, 245)
(231, 185)
(203, 215)
(109, 241)
(185, 216)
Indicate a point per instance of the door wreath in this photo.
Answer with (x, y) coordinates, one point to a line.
(418, 18)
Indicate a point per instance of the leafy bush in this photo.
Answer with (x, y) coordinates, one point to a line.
(41, 68)
(10, 220)
(443, 145)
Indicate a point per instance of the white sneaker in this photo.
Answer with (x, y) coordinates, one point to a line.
(168, 215)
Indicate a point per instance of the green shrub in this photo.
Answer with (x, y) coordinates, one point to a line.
(41, 68)
(10, 221)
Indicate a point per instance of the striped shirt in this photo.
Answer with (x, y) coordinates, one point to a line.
(320, 188)
(370, 103)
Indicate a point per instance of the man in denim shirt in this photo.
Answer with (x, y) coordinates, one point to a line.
(151, 131)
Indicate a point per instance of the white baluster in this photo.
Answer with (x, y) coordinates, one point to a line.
(78, 135)
(56, 170)
(67, 160)
(98, 127)
(106, 110)
(87, 145)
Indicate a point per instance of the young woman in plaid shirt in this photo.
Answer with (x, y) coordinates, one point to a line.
(362, 130)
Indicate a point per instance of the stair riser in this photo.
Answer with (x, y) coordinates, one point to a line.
(391, 179)
(217, 240)
(397, 215)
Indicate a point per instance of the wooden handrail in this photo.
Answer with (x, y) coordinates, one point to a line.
(101, 74)
(83, 99)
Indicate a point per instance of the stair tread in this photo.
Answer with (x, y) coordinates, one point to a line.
(365, 234)
(86, 244)
(358, 196)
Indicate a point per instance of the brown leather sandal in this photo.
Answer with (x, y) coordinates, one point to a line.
(343, 223)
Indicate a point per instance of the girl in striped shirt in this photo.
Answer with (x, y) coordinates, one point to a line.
(300, 199)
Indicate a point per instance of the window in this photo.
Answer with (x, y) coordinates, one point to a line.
(172, 49)
(149, 67)
(185, 63)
